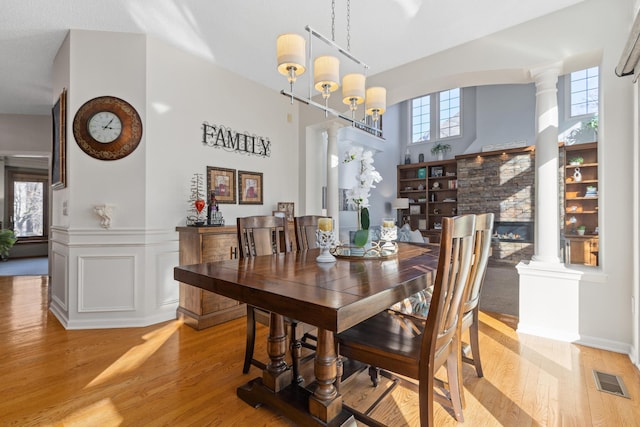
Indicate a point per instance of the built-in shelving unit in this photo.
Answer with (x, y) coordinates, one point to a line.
(581, 203)
(431, 188)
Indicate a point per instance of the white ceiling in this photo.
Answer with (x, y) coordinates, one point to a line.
(239, 35)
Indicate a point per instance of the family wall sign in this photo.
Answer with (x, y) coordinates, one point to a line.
(218, 136)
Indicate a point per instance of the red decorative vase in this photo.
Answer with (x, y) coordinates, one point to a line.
(199, 205)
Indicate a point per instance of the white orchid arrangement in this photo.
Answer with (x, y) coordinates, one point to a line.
(359, 194)
(368, 176)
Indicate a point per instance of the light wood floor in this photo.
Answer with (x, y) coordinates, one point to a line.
(171, 375)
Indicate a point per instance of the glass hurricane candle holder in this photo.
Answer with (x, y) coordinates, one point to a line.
(325, 239)
(388, 234)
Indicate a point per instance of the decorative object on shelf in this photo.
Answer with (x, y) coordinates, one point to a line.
(439, 150)
(577, 175)
(289, 208)
(105, 212)
(420, 160)
(407, 157)
(581, 230)
(292, 59)
(7, 240)
(437, 226)
(591, 191)
(326, 240)
(435, 185)
(223, 182)
(436, 171)
(250, 188)
(214, 216)
(573, 219)
(59, 143)
(107, 128)
(574, 161)
(359, 194)
(196, 202)
(414, 210)
(420, 187)
(422, 172)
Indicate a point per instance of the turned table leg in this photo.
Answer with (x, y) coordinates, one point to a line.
(325, 403)
(277, 374)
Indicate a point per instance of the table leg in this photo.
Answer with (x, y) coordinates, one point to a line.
(325, 403)
(277, 374)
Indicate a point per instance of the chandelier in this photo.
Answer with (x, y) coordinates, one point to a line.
(292, 58)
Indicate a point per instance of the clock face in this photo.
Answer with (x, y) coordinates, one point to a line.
(105, 127)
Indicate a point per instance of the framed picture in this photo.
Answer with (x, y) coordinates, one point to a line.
(223, 183)
(59, 143)
(414, 210)
(288, 208)
(250, 188)
(436, 171)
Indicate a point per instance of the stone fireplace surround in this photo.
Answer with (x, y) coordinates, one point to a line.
(501, 182)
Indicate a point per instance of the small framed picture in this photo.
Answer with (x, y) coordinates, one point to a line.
(59, 142)
(221, 181)
(436, 171)
(414, 209)
(287, 207)
(250, 188)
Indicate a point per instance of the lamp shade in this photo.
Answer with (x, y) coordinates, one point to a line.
(402, 203)
(376, 102)
(290, 51)
(353, 88)
(326, 73)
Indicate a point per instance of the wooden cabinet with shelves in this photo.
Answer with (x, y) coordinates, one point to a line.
(581, 203)
(431, 188)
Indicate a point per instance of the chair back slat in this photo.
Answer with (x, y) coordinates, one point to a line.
(305, 228)
(261, 235)
(454, 264)
(481, 253)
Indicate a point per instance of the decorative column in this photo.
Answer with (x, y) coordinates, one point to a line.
(547, 225)
(332, 173)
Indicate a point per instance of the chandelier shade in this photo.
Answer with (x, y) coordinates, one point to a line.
(376, 103)
(326, 74)
(291, 55)
(353, 89)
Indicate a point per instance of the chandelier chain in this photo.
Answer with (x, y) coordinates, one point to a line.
(349, 25)
(333, 20)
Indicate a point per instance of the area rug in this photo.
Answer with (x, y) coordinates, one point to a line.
(25, 267)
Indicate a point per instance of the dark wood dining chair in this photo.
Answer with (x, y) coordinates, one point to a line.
(414, 347)
(470, 353)
(259, 235)
(305, 228)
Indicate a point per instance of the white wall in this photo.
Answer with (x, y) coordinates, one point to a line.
(123, 276)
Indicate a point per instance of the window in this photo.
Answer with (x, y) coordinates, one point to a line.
(584, 92)
(444, 107)
(450, 113)
(27, 203)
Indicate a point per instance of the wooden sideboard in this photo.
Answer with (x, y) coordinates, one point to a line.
(199, 308)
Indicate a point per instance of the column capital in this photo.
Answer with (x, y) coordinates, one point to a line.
(546, 77)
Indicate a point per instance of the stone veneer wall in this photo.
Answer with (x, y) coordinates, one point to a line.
(502, 183)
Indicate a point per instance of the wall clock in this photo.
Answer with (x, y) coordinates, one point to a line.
(107, 128)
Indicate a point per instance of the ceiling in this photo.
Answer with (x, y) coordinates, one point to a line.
(240, 35)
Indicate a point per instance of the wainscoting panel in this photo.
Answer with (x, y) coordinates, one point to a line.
(106, 283)
(58, 290)
(167, 289)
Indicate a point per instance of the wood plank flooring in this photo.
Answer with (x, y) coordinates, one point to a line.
(171, 375)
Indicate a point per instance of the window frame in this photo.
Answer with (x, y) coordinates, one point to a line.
(434, 117)
(18, 174)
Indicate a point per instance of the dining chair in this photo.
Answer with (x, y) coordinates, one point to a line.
(470, 305)
(415, 347)
(265, 235)
(305, 228)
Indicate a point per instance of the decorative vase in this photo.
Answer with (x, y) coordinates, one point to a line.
(577, 175)
(440, 155)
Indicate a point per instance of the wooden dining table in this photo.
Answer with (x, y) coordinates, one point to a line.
(330, 296)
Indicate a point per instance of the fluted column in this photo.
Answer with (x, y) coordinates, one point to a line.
(547, 225)
(332, 173)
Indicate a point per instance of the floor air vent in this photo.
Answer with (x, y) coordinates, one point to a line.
(610, 384)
